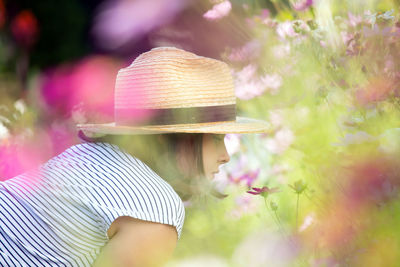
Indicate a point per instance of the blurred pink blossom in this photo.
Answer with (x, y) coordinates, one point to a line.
(119, 22)
(245, 205)
(248, 178)
(302, 5)
(281, 51)
(20, 154)
(218, 11)
(279, 169)
(285, 29)
(354, 20)
(262, 249)
(250, 89)
(280, 142)
(265, 13)
(264, 191)
(247, 73)
(276, 117)
(247, 84)
(249, 51)
(273, 82)
(85, 85)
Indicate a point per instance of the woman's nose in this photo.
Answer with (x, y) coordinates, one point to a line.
(224, 156)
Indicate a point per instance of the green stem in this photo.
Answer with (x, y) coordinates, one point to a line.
(275, 218)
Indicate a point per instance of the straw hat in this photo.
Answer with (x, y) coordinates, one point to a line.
(169, 90)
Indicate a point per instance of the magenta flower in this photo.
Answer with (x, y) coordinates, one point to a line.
(264, 191)
(302, 5)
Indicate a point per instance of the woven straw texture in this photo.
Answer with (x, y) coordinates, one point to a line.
(170, 78)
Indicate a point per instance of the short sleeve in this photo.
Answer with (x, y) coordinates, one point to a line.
(131, 188)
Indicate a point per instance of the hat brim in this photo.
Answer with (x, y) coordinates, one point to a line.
(241, 125)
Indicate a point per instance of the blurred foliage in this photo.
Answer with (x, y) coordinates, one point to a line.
(325, 74)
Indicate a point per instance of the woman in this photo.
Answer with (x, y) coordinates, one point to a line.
(97, 203)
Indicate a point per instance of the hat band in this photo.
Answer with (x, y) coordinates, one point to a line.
(170, 116)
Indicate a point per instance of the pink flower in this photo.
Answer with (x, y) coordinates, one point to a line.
(247, 52)
(120, 22)
(218, 11)
(354, 20)
(285, 29)
(264, 191)
(281, 51)
(87, 85)
(276, 117)
(248, 85)
(273, 82)
(302, 5)
(245, 204)
(249, 90)
(280, 142)
(248, 177)
(247, 73)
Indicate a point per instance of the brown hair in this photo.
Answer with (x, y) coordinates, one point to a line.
(176, 157)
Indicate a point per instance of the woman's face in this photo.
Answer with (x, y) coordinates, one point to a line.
(214, 153)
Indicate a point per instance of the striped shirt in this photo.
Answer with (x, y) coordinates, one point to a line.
(59, 213)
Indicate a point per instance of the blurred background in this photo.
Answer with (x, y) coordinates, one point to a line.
(324, 184)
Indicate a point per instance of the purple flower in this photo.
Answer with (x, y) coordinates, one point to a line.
(264, 191)
(248, 177)
(302, 5)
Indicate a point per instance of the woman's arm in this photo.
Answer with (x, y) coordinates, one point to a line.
(136, 242)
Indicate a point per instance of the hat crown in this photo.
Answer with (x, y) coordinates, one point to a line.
(168, 77)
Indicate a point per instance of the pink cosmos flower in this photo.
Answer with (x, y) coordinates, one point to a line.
(248, 177)
(302, 5)
(218, 11)
(264, 191)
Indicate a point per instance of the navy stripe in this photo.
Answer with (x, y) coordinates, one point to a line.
(61, 212)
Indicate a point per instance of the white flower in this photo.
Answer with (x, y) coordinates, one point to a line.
(232, 143)
(4, 132)
(20, 106)
(308, 220)
(218, 11)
